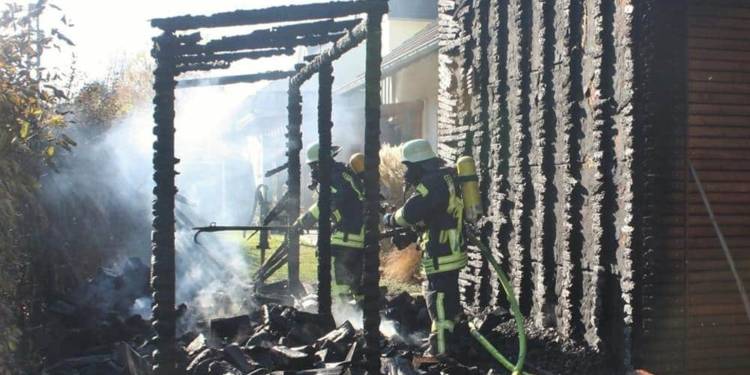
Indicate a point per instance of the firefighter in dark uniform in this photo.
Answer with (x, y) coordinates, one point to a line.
(347, 237)
(436, 211)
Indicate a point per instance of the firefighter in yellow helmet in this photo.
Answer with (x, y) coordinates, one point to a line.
(347, 238)
(436, 211)
(357, 164)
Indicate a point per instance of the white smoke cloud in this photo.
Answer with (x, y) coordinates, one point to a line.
(216, 184)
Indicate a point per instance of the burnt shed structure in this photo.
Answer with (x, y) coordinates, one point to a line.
(584, 117)
(178, 50)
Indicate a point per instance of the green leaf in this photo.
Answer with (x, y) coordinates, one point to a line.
(25, 125)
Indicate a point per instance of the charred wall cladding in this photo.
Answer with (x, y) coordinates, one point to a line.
(581, 115)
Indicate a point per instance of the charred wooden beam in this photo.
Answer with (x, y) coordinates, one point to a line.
(228, 80)
(654, 94)
(163, 235)
(520, 147)
(500, 144)
(216, 58)
(543, 134)
(272, 15)
(479, 146)
(325, 82)
(308, 34)
(620, 191)
(202, 66)
(592, 172)
(289, 41)
(344, 44)
(568, 18)
(294, 145)
(371, 277)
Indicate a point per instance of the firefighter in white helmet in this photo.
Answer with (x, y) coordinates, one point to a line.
(436, 211)
(347, 238)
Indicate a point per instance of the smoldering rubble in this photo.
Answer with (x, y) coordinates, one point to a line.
(273, 338)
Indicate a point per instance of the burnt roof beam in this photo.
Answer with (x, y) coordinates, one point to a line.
(288, 13)
(280, 37)
(228, 80)
(224, 60)
(344, 44)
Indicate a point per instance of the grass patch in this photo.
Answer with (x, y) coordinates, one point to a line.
(308, 263)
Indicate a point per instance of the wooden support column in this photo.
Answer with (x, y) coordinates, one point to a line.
(325, 81)
(163, 234)
(294, 145)
(371, 279)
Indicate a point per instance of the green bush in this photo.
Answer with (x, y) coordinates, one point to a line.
(30, 135)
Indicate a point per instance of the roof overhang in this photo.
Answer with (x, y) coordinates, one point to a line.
(411, 50)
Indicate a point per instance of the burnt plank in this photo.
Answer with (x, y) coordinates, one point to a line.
(568, 29)
(595, 122)
(543, 136)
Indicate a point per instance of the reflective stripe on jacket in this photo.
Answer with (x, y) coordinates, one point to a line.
(437, 207)
(346, 211)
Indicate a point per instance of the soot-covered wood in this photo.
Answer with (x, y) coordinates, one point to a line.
(549, 91)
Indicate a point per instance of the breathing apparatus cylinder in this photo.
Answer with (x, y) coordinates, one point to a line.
(467, 175)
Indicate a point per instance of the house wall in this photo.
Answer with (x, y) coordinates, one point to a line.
(697, 324)
(418, 82)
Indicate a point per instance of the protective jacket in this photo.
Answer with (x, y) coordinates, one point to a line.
(438, 208)
(346, 212)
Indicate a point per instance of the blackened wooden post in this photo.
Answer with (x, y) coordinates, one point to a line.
(294, 145)
(163, 235)
(371, 280)
(325, 81)
(264, 208)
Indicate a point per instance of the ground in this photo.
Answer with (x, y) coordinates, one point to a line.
(309, 263)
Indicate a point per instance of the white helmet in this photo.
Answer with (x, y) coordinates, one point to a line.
(417, 150)
(314, 150)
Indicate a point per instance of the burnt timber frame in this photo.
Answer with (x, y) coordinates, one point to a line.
(181, 53)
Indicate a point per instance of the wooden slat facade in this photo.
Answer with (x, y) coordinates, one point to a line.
(582, 116)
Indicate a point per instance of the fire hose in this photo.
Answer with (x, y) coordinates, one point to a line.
(517, 368)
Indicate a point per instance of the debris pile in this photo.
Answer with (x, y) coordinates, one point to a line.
(279, 339)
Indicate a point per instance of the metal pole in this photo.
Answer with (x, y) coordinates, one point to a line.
(371, 279)
(163, 235)
(722, 241)
(325, 81)
(294, 145)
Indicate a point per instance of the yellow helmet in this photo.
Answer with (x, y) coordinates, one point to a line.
(313, 152)
(417, 150)
(357, 162)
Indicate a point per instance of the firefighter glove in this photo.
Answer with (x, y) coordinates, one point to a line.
(403, 240)
(389, 220)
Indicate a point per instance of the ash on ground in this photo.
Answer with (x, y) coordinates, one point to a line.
(279, 339)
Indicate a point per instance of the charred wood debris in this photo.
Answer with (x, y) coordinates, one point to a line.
(95, 334)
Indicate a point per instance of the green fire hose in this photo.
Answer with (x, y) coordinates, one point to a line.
(516, 369)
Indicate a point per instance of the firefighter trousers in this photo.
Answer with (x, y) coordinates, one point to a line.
(346, 268)
(443, 304)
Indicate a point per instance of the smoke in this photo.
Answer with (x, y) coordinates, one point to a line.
(351, 312)
(102, 197)
(391, 329)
